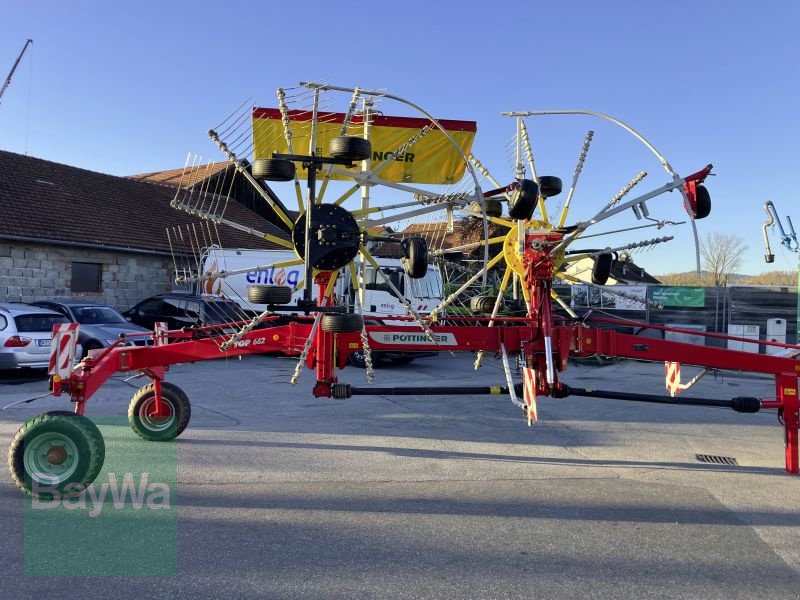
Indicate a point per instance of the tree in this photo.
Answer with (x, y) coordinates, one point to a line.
(722, 255)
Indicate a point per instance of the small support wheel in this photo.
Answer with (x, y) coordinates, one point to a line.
(341, 322)
(415, 260)
(273, 169)
(601, 270)
(269, 294)
(350, 148)
(703, 202)
(549, 186)
(150, 425)
(523, 200)
(56, 452)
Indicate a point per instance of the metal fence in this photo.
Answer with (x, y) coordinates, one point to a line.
(703, 308)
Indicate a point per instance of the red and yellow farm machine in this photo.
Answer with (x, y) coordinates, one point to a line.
(424, 168)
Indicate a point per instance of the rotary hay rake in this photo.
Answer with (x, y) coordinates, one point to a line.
(430, 187)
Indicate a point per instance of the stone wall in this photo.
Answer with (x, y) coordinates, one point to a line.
(30, 272)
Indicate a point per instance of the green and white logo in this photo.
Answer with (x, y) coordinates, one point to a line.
(124, 523)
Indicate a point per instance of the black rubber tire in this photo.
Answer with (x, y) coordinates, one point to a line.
(350, 148)
(482, 304)
(269, 294)
(357, 359)
(702, 202)
(415, 261)
(79, 430)
(341, 322)
(90, 345)
(273, 169)
(523, 200)
(141, 422)
(601, 270)
(550, 186)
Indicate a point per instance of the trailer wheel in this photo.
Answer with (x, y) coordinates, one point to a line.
(703, 202)
(350, 148)
(549, 186)
(269, 294)
(273, 169)
(415, 261)
(59, 451)
(494, 208)
(341, 322)
(523, 200)
(601, 270)
(164, 427)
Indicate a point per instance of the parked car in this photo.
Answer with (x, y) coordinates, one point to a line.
(25, 335)
(100, 325)
(183, 310)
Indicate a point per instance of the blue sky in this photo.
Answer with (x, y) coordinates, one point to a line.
(127, 87)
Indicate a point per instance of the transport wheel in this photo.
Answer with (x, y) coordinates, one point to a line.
(549, 186)
(350, 148)
(601, 270)
(58, 450)
(269, 294)
(341, 322)
(273, 169)
(176, 412)
(523, 200)
(416, 259)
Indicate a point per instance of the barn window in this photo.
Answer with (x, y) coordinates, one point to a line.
(86, 277)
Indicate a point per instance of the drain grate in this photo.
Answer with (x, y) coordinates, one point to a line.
(716, 460)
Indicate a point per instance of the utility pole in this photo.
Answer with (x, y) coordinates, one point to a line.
(28, 42)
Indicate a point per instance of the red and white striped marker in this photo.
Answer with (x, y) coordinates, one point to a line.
(529, 393)
(62, 349)
(673, 377)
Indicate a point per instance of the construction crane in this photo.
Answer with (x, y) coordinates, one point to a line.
(28, 42)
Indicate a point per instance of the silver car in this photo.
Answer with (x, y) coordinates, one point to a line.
(25, 335)
(100, 325)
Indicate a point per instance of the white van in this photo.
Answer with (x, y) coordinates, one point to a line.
(247, 267)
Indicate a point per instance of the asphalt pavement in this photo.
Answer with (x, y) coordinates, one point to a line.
(281, 495)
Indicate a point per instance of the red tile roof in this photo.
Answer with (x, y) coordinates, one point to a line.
(183, 177)
(50, 201)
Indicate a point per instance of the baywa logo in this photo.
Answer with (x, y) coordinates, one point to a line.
(115, 494)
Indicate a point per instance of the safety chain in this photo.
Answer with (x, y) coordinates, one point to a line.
(367, 355)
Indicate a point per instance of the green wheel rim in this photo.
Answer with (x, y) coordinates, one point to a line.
(152, 422)
(51, 458)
